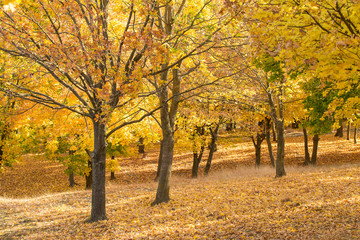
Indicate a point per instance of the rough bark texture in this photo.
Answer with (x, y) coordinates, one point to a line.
(306, 144)
(168, 116)
(162, 194)
(212, 146)
(348, 131)
(315, 148)
(268, 140)
(98, 211)
(159, 162)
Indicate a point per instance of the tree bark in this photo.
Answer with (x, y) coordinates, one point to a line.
(162, 194)
(212, 148)
(98, 211)
(306, 144)
(112, 176)
(277, 114)
(257, 153)
(230, 126)
(141, 146)
(196, 162)
(112, 173)
(71, 179)
(315, 148)
(274, 131)
(339, 131)
(159, 162)
(197, 156)
(257, 145)
(168, 117)
(88, 178)
(268, 140)
(4, 135)
(71, 172)
(280, 168)
(355, 134)
(1, 154)
(348, 131)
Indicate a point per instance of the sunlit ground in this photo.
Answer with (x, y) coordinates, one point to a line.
(236, 201)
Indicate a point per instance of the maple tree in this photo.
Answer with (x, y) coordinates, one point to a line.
(188, 29)
(287, 42)
(100, 59)
(90, 59)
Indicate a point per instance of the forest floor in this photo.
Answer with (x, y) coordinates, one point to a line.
(236, 201)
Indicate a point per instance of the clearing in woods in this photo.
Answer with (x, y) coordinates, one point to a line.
(236, 201)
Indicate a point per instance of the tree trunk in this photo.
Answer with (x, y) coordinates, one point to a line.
(315, 148)
(306, 143)
(355, 134)
(159, 162)
(277, 115)
(274, 131)
(141, 146)
(162, 194)
(212, 148)
(88, 178)
(168, 117)
(280, 168)
(230, 126)
(339, 131)
(348, 131)
(268, 140)
(98, 211)
(257, 144)
(196, 162)
(257, 155)
(1, 154)
(4, 134)
(112, 174)
(72, 182)
(71, 179)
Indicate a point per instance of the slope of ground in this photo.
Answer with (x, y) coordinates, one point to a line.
(35, 176)
(236, 201)
(310, 203)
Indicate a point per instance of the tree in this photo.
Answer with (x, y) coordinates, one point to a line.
(198, 139)
(316, 104)
(188, 29)
(214, 130)
(257, 140)
(90, 60)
